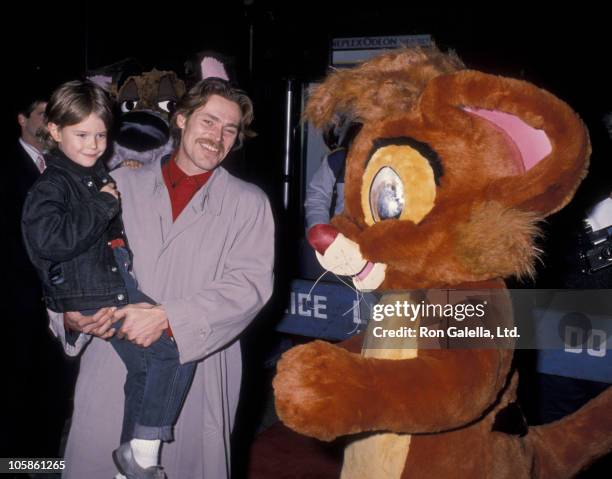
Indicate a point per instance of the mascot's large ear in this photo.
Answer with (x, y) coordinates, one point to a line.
(550, 142)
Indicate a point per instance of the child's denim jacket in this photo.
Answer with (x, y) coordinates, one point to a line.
(68, 225)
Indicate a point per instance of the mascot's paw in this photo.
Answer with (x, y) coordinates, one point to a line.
(321, 390)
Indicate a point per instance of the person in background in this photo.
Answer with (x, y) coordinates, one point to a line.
(36, 366)
(325, 192)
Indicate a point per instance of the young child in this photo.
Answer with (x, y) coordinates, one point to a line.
(74, 236)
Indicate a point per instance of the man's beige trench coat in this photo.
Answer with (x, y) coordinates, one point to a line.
(212, 272)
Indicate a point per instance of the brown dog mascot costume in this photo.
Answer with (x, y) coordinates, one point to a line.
(444, 187)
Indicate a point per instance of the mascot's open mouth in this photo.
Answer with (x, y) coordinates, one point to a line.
(142, 131)
(365, 271)
(341, 256)
(370, 277)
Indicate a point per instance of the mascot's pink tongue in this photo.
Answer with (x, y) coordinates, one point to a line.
(365, 271)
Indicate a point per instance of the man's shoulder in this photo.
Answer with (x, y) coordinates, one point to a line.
(20, 161)
(243, 189)
(19, 150)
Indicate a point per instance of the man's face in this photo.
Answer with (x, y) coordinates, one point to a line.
(31, 124)
(208, 135)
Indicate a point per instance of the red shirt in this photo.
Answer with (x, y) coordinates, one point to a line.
(181, 187)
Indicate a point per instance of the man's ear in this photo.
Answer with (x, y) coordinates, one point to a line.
(181, 120)
(21, 119)
(551, 142)
(55, 131)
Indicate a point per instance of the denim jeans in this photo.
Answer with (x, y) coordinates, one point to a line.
(156, 383)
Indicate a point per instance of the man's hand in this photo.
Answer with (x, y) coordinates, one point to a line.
(100, 324)
(143, 323)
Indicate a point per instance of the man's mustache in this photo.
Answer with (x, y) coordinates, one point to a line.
(215, 144)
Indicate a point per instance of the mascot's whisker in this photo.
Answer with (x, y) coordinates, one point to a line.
(360, 297)
(321, 277)
(315, 284)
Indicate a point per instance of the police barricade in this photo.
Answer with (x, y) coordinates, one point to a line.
(582, 320)
(326, 310)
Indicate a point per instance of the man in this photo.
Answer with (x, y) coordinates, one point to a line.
(203, 245)
(25, 166)
(30, 121)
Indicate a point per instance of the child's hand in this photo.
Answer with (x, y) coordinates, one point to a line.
(111, 188)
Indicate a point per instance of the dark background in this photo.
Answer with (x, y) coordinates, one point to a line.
(565, 50)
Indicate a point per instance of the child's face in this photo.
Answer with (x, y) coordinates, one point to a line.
(83, 142)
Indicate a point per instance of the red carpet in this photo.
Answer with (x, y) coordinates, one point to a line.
(279, 453)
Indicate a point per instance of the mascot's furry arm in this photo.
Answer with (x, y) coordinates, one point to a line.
(444, 187)
(334, 393)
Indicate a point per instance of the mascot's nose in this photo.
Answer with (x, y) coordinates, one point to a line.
(321, 236)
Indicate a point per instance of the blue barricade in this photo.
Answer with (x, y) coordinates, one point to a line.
(586, 352)
(327, 311)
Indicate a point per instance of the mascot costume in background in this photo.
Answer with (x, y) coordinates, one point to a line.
(146, 101)
(445, 185)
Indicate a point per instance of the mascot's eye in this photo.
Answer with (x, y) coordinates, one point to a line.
(399, 181)
(128, 105)
(167, 105)
(386, 195)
